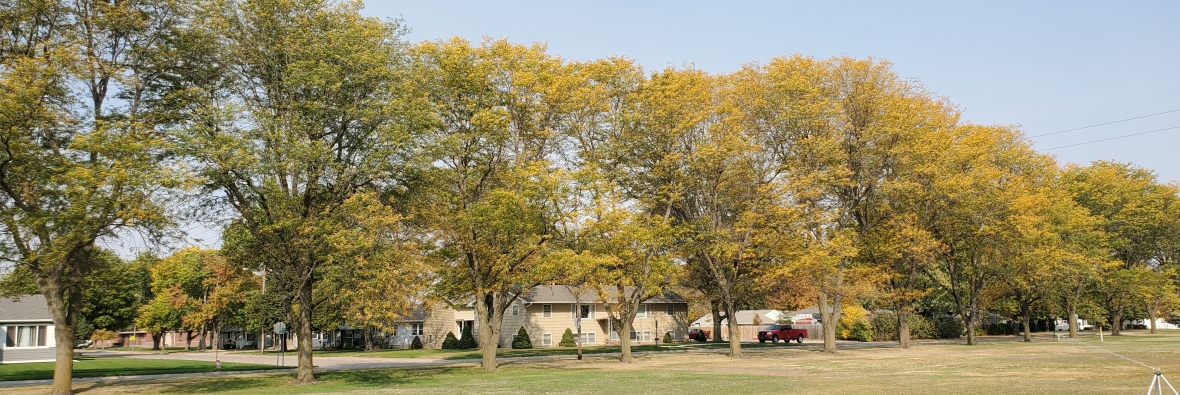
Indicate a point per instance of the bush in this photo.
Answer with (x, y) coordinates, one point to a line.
(948, 328)
(417, 343)
(567, 339)
(885, 326)
(522, 341)
(921, 327)
(667, 337)
(468, 340)
(451, 342)
(853, 325)
(1010, 328)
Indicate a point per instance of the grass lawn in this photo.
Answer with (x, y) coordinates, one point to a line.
(534, 352)
(1006, 366)
(117, 366)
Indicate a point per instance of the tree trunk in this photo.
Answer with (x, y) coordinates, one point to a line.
(489, 330)
(304, 373)
(735, 333)
(716, 305)
(1116, 323)
(368, 339)
(625, 340)
(1027, 313)
(1151, 315)
(1073, 320)
(156, 339)
(903, 328)
(64, 304)
(201, 334)
(830, 317)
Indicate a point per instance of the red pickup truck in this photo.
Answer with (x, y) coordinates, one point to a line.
(781, 331)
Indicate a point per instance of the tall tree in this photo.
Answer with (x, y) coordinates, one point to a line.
(303, 113)
(74, 167)
(492, 182)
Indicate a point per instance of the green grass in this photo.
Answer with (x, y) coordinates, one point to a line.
(1007, 366)
(533, 352)
(117, 366)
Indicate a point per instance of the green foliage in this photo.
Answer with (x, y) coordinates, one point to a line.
(451, 342)
(468, 340)
(885, 328)
(521, 340)
(948, 328)
(416, 344)
(667, 337)
(567, 339)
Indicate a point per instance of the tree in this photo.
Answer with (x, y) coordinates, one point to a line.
(301, 113)
(491, 181)
(567, 339)
(74, 172)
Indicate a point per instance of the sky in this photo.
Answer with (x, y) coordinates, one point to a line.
(1045, 67)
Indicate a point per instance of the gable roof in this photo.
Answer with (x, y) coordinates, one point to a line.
(24, 308)
(562, 294)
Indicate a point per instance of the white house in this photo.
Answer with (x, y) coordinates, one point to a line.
(26, 330)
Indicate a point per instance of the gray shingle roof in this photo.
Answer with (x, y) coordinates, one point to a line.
(28, 307)
(562, 294)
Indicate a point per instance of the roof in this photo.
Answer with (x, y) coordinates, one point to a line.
(562, 294)
(744, 317)
(24, 308)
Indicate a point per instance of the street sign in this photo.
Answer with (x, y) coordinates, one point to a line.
(132, 337)
(280, 328)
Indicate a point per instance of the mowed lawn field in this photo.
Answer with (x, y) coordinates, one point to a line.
(118, 366)
(996, 366)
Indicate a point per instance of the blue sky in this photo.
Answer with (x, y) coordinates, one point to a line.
(1047, 67)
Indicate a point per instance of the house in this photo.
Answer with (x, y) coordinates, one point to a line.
(545, 312)
(744, 317)
(26, 330)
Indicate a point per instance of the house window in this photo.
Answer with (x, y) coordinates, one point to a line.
(547, 310)
(587, 311)
(547, 339)
(588, 338)
(415, 329)
(670, 309)
(515, 309)
(642, 311)
(641, 337)
(25, 336)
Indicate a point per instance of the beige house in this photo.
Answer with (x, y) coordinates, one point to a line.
(545, 312)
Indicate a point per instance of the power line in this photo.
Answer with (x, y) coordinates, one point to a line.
(1104, 124)
(1112, 138)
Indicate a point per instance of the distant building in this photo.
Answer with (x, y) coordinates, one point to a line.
(26, 330)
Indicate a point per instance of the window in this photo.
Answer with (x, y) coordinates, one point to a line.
(587, 311)
(641, 337)
(515, 309)
(587, 337)
(416, 329)
(547, 310)
(26, 336)
(671, 309)
(642, 311)
(547, 339)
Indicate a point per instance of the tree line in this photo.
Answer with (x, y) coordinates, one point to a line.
(360, 175)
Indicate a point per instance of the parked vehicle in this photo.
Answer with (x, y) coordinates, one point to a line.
(698, 334)
(781, 331)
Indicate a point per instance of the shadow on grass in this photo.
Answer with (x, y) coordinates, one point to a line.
(374, 378)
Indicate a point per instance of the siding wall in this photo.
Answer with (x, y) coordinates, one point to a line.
(534, 322)
(439, 320)
(28, 354)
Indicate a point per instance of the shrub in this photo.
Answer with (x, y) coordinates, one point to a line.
(567, 339)
(948, 328)
(667, 337)
(921, 327)
(522, 341)
(417, 343)
(885, 326)
(468, 340)
(451, 342)
(853, 325)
